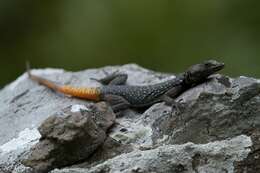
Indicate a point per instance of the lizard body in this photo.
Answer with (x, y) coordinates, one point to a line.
(123, 96)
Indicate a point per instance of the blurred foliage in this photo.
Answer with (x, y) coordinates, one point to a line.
(165, 35)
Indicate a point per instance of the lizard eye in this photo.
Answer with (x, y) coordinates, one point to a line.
(207, 64)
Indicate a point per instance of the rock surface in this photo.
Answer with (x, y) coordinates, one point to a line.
(216, 129)
(212, 157)
(70, 137)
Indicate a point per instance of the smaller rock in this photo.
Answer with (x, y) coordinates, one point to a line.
(70, 137)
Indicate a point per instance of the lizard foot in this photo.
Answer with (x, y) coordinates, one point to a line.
(177, 108)
(115, 78)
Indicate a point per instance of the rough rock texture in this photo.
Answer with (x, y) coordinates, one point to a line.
(70, 137)
(216, 127)
(212, 157)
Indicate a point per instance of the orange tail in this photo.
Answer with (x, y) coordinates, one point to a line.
(86, 93)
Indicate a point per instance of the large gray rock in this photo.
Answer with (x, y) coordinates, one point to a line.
(212, 157)
(220, 117)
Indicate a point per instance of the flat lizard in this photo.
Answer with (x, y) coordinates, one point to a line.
(122, 96)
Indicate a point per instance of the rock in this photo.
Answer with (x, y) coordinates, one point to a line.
(71, 124)
(251, 163)
(108, 150)
(70, 137)
(212, 157)
(217, 111)
(214, 128)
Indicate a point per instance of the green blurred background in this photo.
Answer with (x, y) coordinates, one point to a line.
(164, 35)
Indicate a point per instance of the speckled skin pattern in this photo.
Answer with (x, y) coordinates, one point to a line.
(139, 96)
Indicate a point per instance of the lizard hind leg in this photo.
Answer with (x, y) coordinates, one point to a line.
(113, 79)
(118, 103)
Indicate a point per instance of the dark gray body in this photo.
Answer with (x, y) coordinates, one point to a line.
(121, 96)
(139, 96)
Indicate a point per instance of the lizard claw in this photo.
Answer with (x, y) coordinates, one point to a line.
(177, 108)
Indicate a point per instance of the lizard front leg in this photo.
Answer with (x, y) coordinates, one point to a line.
(113, 79)
(169, 98)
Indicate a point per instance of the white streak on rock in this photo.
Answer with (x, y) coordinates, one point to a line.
(163, 139)
(26, 138)
(77, 108)
(242, 77)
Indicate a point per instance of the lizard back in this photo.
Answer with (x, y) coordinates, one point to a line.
(140, 95)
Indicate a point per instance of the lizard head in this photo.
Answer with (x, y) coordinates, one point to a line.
(199, 72)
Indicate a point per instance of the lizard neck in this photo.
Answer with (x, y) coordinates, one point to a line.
(178, 80)
(189, 79)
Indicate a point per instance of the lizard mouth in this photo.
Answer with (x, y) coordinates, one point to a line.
(218, 67)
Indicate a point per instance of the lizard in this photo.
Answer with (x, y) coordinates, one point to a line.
(121, 96)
